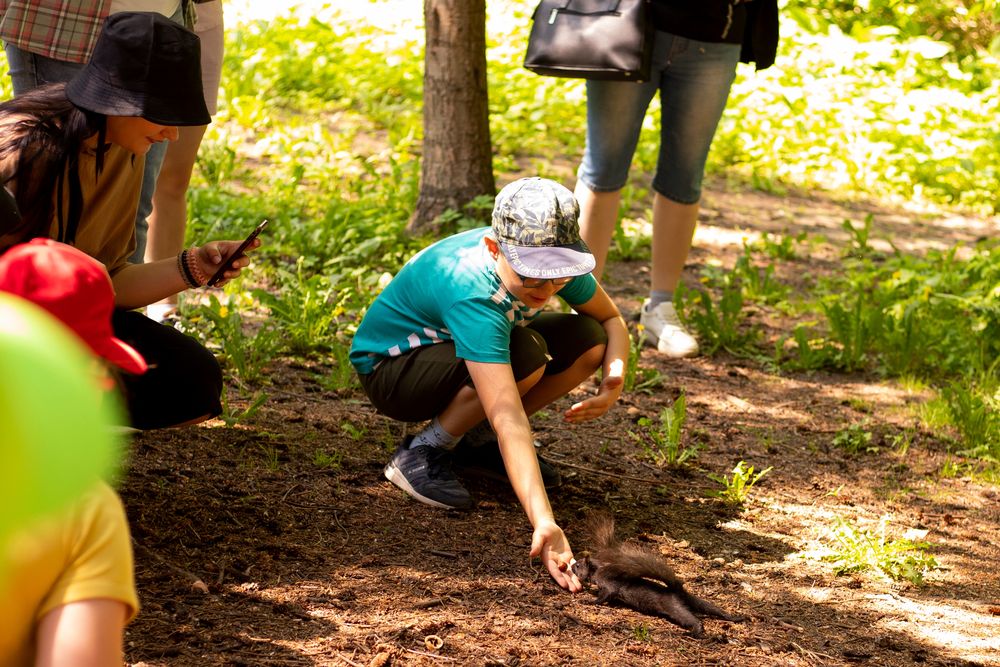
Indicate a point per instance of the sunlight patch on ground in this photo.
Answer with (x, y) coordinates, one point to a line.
(720, 237)
(966, 633)
(741, 526)
(881, 394)
(808, 514)
(779, 413)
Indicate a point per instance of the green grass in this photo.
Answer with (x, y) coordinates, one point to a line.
(858, 116)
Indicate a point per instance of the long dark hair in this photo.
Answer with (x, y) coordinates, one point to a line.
(42, 133)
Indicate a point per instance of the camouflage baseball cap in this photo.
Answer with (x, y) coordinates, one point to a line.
(535, 223)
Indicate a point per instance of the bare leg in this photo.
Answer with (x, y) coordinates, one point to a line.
(553, 387)
(673, 231)
(537, 391)
(465, 410)
(168, 219)
(598, 218)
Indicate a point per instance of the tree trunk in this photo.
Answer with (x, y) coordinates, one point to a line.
(456, 164)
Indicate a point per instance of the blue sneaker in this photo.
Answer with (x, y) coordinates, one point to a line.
(425, 474)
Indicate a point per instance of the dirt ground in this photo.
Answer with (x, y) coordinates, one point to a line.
(279, 542)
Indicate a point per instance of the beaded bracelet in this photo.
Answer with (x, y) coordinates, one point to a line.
(182, 268)
(193, 267)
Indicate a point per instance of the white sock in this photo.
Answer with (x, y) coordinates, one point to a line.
(658, 296)
(434, 436)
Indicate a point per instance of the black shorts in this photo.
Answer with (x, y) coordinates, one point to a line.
(419, 385)
(184, 380)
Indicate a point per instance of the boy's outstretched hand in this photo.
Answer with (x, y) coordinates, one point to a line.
(595, 406)
(550, 543)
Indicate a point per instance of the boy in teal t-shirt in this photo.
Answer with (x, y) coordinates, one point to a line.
(459, 335)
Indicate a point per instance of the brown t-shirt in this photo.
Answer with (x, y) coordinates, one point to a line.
(107, 223)
(106, 230)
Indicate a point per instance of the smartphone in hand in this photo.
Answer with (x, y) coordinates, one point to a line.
(226, 263)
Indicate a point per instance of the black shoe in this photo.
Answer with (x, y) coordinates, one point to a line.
(486, 461)
(425, 473)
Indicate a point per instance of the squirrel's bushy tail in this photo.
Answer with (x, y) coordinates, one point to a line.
(600, 530)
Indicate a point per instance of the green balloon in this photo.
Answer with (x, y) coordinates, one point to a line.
(56, 438)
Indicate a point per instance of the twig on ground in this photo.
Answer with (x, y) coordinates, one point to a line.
(348, 660)
(605, 473)
(811, 655)
(347, 535)
(431, 655)
(427, 604)
(791, 626)
(196, 582)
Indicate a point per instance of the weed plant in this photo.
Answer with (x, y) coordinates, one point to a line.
(780, 246)
(642, 633)
(639, 378)
(332, 460)
(720, 324)
(758, 282)
(736, 487)
(661, 440)
(231, 417)
(304, 307)
(341, 374)
(245, 354)
(857, 550)
(975, 411)
(855, 439)
(932, 319)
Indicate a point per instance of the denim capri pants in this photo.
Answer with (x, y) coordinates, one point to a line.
(694, 79)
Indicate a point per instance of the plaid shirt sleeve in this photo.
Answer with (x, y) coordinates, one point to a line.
(59, 29)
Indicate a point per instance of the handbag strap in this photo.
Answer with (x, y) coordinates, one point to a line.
(609, 7)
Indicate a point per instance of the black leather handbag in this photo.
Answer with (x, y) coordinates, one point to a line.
(591, 39)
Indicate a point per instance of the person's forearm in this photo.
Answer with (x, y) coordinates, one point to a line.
(616, 353)
(500, 400)
(521, 463)
(139, 285)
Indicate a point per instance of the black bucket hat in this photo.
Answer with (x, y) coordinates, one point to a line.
(143, 65)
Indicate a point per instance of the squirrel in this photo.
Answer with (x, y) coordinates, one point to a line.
(634, 576)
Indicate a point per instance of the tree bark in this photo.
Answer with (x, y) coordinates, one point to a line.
(456, 164)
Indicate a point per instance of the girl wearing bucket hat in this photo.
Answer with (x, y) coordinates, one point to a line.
(72, 154)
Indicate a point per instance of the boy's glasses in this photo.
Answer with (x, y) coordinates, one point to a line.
(532, 283)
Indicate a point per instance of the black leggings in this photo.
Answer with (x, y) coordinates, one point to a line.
(184, 380)
(418, 385)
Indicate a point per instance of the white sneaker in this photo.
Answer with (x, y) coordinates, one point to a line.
(160, 311)
(663, 329)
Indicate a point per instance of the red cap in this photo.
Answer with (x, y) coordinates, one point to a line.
(75, 288)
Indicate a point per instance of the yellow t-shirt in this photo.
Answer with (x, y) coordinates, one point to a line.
(84, 553)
